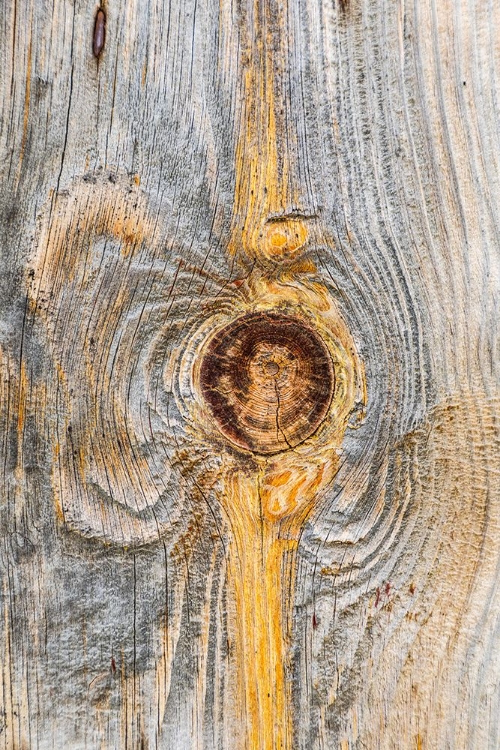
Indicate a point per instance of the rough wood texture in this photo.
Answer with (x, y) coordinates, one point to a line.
(191, 165)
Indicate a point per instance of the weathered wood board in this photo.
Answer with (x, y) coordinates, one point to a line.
(249, 375)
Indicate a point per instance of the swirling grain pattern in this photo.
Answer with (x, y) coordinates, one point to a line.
(333, 164)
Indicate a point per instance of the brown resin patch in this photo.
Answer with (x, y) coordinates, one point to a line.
(268, 380)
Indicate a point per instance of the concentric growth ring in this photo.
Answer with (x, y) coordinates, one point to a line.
(268, 381)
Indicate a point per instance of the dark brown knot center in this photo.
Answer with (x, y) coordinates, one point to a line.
(268, 381)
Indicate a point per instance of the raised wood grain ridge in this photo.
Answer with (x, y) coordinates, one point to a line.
(327, 166)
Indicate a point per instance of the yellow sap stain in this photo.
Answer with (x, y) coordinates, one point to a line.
(266, 511)
(267, 499)
(257, 558)
(265, 190)
(282, 239)
(302, 266)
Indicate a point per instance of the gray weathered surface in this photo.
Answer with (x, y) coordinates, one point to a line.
(118, 182)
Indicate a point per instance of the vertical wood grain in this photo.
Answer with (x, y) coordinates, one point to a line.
(128, 228)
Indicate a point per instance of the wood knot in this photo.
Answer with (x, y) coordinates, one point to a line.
(283, 239)
(268, 381)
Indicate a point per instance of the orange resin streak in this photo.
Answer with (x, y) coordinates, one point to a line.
(265, 184)
(259, 560)
(268, 502)
(260, 579)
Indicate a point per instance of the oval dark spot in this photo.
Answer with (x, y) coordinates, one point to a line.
(99, 33)
(271, 368)
(268, 381)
